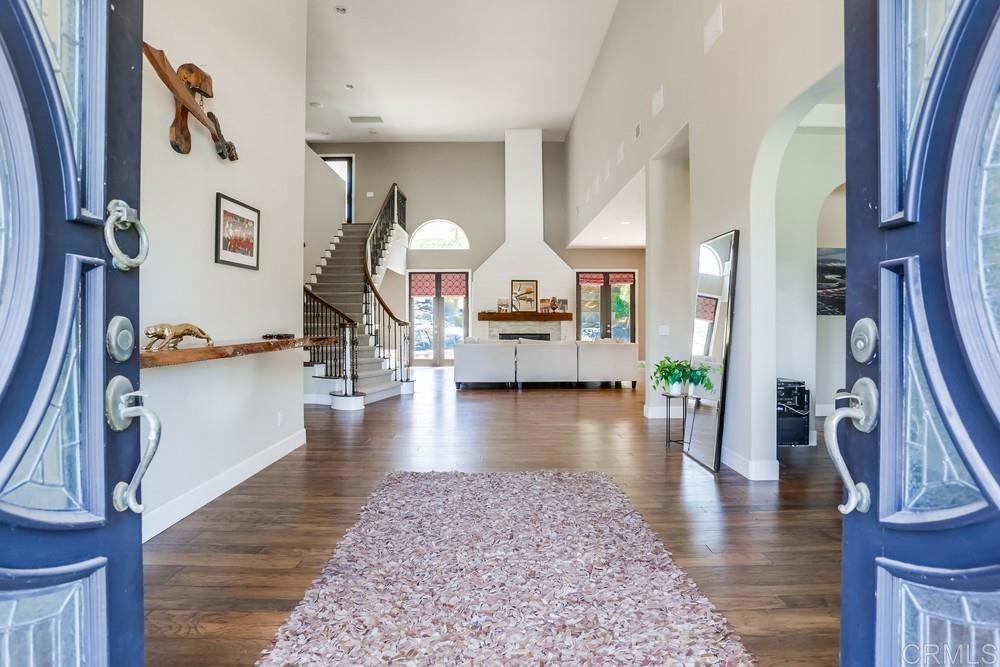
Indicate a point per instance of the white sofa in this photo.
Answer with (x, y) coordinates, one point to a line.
(485, 362)
(608, 362)
(540, 361)
(546, 362)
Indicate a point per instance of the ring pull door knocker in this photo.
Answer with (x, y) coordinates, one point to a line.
(122, 217)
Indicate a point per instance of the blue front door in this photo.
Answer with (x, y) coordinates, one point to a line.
(921, 436)
(70, 561)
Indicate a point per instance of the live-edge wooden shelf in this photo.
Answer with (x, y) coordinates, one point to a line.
(188, 355)
(525, 316)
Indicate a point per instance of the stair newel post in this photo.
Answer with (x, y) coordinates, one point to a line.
(406, 357)
(349, 348)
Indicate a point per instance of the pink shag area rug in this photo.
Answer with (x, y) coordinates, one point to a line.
(540, 568)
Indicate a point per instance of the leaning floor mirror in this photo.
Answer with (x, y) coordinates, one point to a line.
(713, 317)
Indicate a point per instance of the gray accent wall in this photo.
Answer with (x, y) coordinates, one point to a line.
(464, 182)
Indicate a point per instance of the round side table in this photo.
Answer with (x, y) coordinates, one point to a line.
(684, 418)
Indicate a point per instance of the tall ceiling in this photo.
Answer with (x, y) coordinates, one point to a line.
(449, 70)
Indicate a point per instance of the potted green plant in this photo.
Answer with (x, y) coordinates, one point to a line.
(674, 375)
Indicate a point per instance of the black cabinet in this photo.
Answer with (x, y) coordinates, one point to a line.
(793, 412)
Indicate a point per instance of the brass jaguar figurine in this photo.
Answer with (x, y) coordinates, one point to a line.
(167, 336)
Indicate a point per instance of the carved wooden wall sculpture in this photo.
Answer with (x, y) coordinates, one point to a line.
(189, 84)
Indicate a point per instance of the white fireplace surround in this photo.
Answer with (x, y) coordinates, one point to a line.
(557, 331)
(524, 254)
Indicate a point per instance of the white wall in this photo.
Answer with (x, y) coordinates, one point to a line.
(813, 166)
(524, 253)
(742, 100)
(224, 420)
(831, 330)
(670, 292)
(324, 210)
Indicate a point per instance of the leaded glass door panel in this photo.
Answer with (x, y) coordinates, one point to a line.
(70, 563)
(921, 550)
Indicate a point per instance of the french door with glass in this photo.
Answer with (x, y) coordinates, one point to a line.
(605, 304)
(70, 534)
(919, 449)
(439, 314)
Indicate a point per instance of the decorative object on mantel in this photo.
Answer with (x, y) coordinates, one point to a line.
(524, 316)
(237, 233)
(503, 305)
(228, 350)
(167, 336)
(545, 305)
(189, 85)
(524, 295)
(563, 306)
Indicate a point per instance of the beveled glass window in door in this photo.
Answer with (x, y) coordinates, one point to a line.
(605, 304)
(439, 315)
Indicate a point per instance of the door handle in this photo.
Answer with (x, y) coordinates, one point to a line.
(863, 413)
(122, 406)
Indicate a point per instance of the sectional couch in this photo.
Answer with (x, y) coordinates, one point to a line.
(524, 361)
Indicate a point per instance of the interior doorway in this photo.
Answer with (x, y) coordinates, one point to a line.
(439, 316)
(343, 166)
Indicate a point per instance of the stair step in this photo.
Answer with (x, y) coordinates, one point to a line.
(374, 373)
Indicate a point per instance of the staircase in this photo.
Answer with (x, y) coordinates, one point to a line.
(369, 362)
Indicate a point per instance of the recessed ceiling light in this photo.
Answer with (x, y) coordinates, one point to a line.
(325, 134)
(349, 86)
(604, 238)
(626, 222)
(372, 132)
(340, 9)
(316, 105)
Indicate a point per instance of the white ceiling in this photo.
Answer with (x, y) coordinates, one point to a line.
(607, 229)
(449, 70)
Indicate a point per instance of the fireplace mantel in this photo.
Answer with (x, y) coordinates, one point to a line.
(525, 316)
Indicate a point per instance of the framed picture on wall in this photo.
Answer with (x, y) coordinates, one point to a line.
(237, 233)
(831, 281)
(523, 295)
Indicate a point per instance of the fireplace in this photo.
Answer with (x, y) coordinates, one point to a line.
(529, 336)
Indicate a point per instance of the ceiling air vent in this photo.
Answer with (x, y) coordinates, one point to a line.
(365, 119)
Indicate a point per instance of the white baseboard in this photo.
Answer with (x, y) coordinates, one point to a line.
(824, 409)
(812, 438)
(156, 521)
(349, 403)
(753, 469)
(316, 399)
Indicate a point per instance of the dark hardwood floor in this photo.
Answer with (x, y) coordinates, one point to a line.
(219, 583)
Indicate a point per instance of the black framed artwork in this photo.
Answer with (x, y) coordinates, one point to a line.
(237, 233)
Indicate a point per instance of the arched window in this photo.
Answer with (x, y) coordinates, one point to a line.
(709, 263)
(439, 235)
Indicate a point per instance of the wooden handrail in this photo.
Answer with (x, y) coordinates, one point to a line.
(338, 311)
(368, 274)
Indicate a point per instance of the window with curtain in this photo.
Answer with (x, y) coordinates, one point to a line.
(605, 305)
